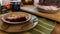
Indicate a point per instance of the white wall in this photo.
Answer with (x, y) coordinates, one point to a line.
(7, 1)
(1, 2)
(36, 1)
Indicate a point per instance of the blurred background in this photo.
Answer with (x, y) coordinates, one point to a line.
(15, 4)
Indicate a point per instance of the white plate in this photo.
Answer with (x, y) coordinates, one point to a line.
(14, 22)
(33, 20)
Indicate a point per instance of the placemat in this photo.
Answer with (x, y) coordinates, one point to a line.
(44, 26)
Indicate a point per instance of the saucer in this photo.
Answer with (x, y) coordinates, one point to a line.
(19, 27)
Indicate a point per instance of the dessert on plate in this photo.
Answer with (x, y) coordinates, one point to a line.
(16, 17)
(47, 8)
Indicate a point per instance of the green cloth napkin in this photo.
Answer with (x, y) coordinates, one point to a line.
(44, 26)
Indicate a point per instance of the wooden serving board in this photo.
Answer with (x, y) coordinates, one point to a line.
(32, 9)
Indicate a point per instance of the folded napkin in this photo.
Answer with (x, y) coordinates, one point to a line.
(44, 27)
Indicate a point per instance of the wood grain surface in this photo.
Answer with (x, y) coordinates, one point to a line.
(55, 31)
(32, 9)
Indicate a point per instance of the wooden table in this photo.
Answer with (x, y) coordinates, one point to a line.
(43, 27)
(55, 17)
(32, 9)
(56, 29)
